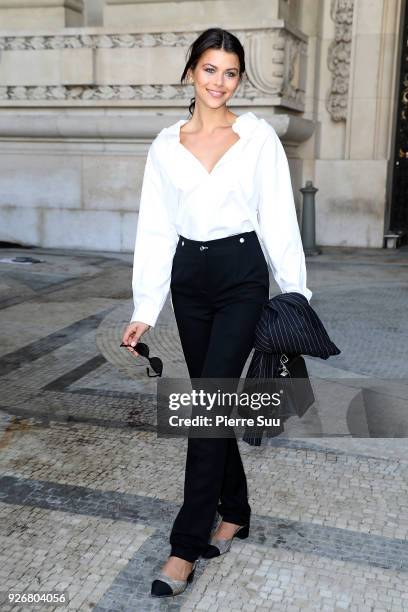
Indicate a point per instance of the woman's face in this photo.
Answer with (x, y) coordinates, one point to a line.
(216, 77)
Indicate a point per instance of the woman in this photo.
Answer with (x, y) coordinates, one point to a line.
(216, 206)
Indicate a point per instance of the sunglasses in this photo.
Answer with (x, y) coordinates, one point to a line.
(155, 362)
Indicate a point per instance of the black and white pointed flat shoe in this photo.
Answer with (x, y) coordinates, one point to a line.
(218, 546)
(164, 586)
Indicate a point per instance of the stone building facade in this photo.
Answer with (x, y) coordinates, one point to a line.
(86, 85)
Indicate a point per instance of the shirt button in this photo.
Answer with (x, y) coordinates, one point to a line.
(242, 239)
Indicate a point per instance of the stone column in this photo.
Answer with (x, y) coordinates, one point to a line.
(355, 103)
(40, 14)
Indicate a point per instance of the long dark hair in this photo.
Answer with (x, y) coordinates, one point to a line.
(213, 38)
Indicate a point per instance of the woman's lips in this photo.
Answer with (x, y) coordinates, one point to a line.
(215, 94)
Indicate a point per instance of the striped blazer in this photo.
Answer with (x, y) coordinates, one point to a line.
(288, 325)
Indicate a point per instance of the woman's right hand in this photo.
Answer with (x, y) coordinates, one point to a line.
(133, 332)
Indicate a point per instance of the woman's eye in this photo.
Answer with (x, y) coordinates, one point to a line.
(229, 74)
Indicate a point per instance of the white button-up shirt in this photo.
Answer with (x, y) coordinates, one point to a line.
(249, 188)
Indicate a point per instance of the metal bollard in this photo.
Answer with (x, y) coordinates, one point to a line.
(309, 219)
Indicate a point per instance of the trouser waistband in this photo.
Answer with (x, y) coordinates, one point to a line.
(217, 242)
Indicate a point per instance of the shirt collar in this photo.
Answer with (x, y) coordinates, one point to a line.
(245, 125)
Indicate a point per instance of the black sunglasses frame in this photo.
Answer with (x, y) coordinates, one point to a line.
(144, 351)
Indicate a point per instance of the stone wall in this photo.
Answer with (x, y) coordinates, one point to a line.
(351, 91)
(40, 14)
(80, 105)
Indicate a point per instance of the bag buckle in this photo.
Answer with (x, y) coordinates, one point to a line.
(283, 369)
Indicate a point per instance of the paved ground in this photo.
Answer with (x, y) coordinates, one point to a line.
(88, 492)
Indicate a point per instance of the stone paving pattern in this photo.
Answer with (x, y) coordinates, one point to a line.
(88, 492)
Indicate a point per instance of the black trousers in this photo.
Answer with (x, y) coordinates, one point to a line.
(218, 289)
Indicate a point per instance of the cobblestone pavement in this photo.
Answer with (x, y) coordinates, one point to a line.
(88, 492)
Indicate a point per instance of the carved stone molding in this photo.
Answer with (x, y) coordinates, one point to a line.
(339, 58)
(103, 92)
(97, 41)
(288, 53)
(275, 67)
(127, 125)
(113, 92)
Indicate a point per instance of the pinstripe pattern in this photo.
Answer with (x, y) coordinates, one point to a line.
(288, 325)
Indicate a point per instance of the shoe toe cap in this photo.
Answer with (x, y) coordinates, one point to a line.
(211, 552)
(160, 588)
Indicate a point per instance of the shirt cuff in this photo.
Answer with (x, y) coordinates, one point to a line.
(146, 313)
(306, 292)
